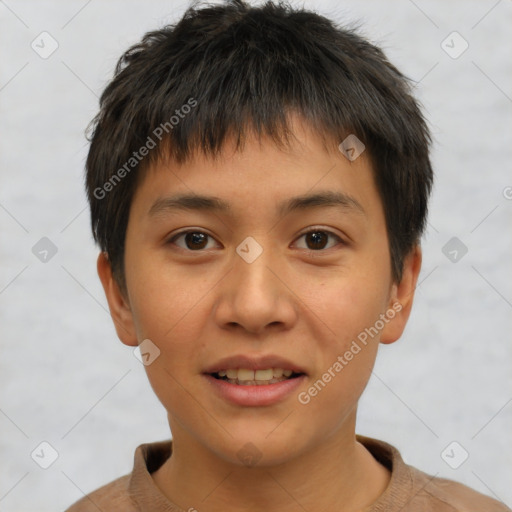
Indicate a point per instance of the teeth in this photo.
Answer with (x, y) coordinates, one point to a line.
(261, 375)
(232, 374)
(245, 376)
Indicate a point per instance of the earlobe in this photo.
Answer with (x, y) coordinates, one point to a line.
(401, 298)
(119, 307)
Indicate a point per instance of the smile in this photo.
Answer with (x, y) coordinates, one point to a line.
(254, 393)
(247, 377)
(250, 380)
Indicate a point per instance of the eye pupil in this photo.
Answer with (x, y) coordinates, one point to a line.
(195, 238)
(317, 238)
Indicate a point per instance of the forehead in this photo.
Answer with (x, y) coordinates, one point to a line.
(260, 175)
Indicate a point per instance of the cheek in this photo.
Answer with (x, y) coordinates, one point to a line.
(346, 303)
(346, 357)
(163, 299)
(172, 316)
(344, 308)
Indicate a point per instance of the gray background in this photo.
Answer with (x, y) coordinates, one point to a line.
(66, 379)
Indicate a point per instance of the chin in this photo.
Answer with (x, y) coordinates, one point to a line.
(257, 448)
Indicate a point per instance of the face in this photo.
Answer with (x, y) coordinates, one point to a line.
(272, 281)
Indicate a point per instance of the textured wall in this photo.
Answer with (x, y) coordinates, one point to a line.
(67, 380)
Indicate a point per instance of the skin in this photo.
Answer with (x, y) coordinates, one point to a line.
(199, 305)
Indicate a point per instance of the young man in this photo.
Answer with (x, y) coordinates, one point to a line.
(258, 180)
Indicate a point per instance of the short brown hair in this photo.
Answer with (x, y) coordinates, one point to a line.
(234, 67)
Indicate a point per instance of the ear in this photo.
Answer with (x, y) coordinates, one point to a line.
(119, 307)
(401, 298)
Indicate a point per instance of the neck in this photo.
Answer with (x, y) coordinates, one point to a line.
(339, 474)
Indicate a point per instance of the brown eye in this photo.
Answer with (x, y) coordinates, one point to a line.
(318, 239)
(194, 240)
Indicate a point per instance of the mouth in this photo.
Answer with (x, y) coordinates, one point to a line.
(248, 377)
(255, 380)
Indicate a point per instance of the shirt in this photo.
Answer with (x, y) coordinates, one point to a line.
(409, 489)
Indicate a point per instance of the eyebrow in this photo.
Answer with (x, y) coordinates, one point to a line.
(195, 202)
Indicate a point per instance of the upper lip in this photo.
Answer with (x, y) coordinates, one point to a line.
(254, 363)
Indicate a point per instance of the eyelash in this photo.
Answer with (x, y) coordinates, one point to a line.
(312, 230)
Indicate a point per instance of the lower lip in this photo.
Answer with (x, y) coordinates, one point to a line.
(253, 396)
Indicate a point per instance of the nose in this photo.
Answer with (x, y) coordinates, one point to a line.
(256, 295)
